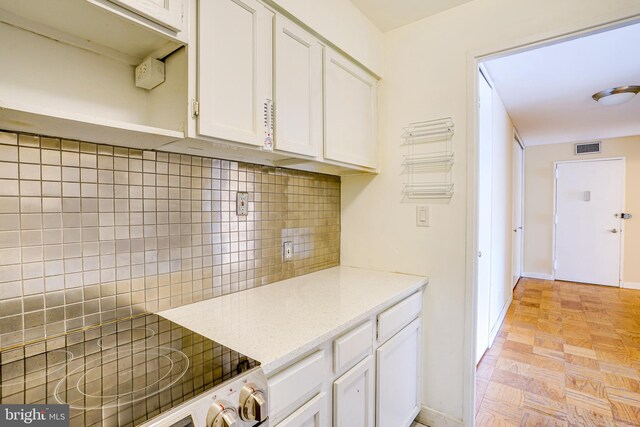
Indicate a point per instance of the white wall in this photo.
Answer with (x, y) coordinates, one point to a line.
(425, 77)
(344, 25)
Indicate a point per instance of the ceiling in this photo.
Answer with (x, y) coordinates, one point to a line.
(390, 14)
(547, 91)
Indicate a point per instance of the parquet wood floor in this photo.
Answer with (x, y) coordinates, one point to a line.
(568, 354)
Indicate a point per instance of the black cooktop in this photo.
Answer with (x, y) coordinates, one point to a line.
(119, 374)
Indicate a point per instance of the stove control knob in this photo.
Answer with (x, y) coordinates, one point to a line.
(253, 404)
(222, 414)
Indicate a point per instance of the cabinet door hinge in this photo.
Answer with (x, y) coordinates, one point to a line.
(195, 106)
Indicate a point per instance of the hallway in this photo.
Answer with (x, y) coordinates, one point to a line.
(567, 355)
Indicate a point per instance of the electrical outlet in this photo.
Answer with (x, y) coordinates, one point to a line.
(242, 203)
(287, 251)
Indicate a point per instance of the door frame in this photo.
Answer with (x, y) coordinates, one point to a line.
(518, 139)
(474, 58)
(555, 210)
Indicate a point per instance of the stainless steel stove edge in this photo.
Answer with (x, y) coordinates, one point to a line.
(227, 393)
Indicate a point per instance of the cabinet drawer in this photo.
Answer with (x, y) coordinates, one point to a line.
(292, 387)
(312, 414)
(396, 317)
(352, 347)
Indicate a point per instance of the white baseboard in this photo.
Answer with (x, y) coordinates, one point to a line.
(540, 276)
(498, 324)
(630, 285)
(432, 418)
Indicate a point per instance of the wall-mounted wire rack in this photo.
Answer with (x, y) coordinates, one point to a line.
(429, 159)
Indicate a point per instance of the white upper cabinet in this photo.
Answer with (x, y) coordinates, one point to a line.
(167, 13)
(298, 90)
(234, 69)
(350, 107)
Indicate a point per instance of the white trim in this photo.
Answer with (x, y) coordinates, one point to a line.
(630, 285)
(496, 327)
(432, 418)
(540, 276)
(474, 58)
(516, 138)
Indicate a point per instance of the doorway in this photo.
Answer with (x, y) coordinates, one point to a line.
(474, 199)
(588, 224)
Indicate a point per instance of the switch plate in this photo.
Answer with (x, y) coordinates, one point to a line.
(242, 203)
(287, 251)
(422, 216)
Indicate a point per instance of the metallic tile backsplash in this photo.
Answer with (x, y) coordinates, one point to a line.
(90, 233)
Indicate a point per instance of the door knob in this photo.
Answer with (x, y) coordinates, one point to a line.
(614, 230)
(479, 254)
(515, 230)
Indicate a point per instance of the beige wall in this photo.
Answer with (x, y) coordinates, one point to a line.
(538, 209)
(425, 78)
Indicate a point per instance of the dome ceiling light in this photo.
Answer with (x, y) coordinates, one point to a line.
(617, 95)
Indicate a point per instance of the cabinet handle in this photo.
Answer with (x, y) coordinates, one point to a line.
(267, 144)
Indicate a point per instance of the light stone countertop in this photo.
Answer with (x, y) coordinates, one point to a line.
(276, 323)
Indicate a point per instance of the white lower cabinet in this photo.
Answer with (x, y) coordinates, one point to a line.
(398, 378)
(353, 396)
(311, 414)
(345, 383)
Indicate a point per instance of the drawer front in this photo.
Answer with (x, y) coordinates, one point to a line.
(294, 386)
(352, 347)
(398, 316)
(312, 414)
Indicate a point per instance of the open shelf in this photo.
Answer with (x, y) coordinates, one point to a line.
(46, 121)
(96, 25)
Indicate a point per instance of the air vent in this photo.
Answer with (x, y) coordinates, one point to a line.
(588, 148)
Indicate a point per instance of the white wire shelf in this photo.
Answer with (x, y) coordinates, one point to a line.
(428, 160)
(428, 166)
(429, 131)
(429, 190)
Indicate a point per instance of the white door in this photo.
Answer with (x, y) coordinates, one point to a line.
(298, 90)
(398, 378)
(311, 414)
(485, 152)
(350, 108)
(234, 69)
(353, 396)
(589, 199)
(518, 234)
(167, 13)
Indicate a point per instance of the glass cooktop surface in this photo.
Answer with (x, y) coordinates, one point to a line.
(119, 374)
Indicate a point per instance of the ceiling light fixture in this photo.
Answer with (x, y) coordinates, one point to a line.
(616, 95)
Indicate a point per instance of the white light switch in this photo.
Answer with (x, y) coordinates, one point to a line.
(422, 216)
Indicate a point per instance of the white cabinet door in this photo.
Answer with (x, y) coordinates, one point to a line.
(167, 13)
(311, 414)
(398, 378)
(350, 107)
(234, 69)
(353, 396)
(298, 90)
